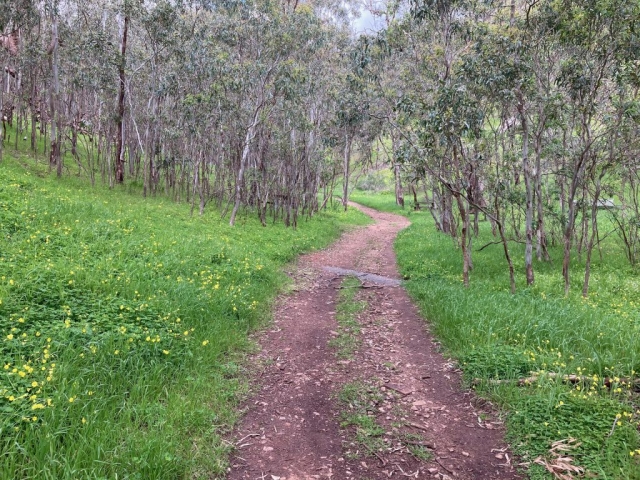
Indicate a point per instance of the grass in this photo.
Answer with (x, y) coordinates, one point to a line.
(347, 310)
(358, 400)
(496, 335)
(123, 325)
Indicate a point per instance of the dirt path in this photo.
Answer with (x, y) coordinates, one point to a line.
(292, 427)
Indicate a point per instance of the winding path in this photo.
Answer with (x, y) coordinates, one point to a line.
(291, 430)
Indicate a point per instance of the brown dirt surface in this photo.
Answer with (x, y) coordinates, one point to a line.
(292, 430)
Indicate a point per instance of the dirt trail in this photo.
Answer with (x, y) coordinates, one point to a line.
(291, 430)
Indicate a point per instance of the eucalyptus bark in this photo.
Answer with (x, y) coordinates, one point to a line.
(541, 235)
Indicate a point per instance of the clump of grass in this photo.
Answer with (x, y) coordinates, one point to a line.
(358, 400)
(496, 335)
(123, 322)
(420, 452)
(347, 310)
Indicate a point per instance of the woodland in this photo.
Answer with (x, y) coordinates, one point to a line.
(524, 113)
(510, 127)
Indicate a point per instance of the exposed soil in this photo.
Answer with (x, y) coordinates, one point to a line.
(292, 427)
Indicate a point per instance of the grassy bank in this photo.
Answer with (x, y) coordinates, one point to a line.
(498, 336)
(123, 322)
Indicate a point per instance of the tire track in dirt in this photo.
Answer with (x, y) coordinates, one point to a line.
(291, 430)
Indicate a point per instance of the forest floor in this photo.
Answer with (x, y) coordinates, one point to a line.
(390, 407)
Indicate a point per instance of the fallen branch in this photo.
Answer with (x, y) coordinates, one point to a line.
(382, 460)
(440, 463)
(412, 475)
(251, 435)
(498, 243)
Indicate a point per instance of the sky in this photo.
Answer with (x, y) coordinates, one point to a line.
(366, 22)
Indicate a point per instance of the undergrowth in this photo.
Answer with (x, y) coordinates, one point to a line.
(123, 322)
(499, 338)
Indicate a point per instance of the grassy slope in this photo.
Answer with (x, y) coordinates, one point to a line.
(496, 335)
(122, 326)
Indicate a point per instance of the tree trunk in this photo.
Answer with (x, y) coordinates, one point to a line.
(399, 194)
(119, 154)
(541, 236)
(526, 167)
(346, 165)
(1, 122)
(396, 173)
(54, 153)
(505, 245)
(466, 255)
(594, 232)
(446, 213)
(246, 150)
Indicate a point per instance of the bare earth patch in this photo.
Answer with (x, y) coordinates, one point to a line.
(430, 427)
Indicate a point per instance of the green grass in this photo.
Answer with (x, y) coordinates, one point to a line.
(385, 202)
(347, 310)
(358, 400)
(123, 326)
(496, 335)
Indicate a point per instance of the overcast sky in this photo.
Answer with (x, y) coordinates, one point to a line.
(367, 23)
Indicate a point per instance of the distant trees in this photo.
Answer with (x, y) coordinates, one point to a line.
(526, 113)
(226, 102)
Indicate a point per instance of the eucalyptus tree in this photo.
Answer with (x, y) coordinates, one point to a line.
(352, 99)
(16, 18)
(593, 34)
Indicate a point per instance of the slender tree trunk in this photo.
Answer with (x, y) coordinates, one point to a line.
(1, 119)
(346, 166)
(466, 255)
(526, 167)
(54, 153)
(246, 150)
(119, 154)
(396, 172)
(505, 245)
(34, 92)
(541, 236)
(594, 233)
